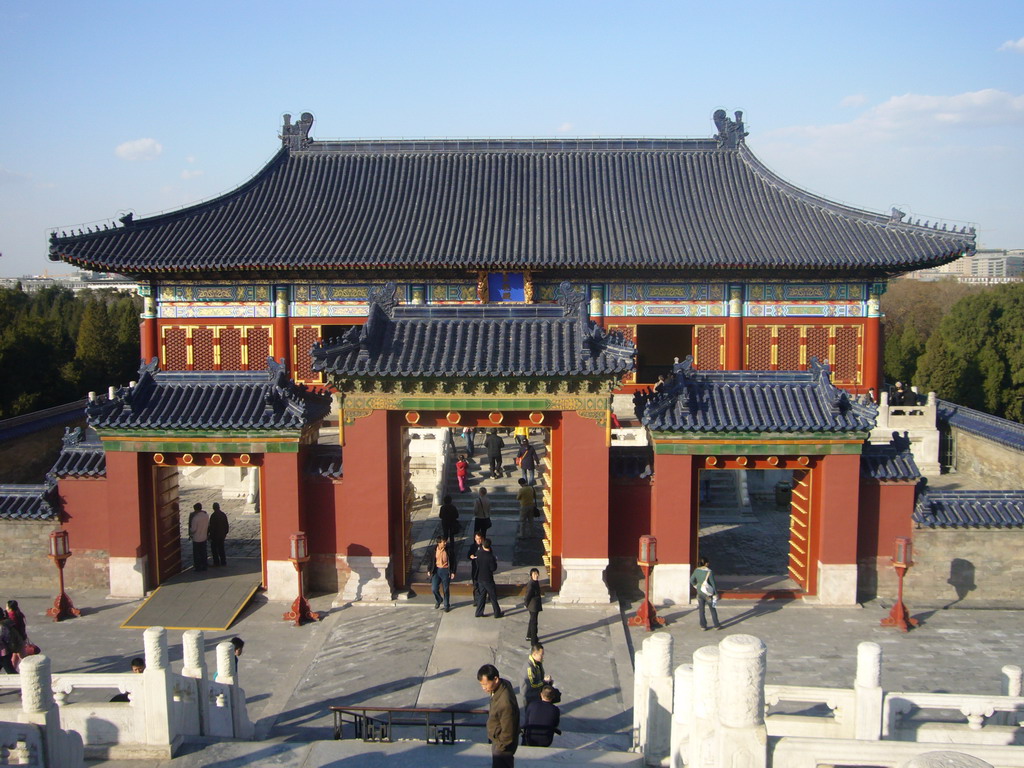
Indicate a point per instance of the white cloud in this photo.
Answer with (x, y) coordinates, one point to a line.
(191, 174)
(139, 149)
(914, 115)
(190, 159)
(1013, 45)
(854, 100)
(565, 127)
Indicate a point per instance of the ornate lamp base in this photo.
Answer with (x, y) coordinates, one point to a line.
(63, 608)
(900, 618)
(301, 612)
(646, 617)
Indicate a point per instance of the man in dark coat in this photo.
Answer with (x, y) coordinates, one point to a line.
(502, 717)
(493, 445)
(540, 719)
(486, 565)
(449, 515)
(527, 461)
(218, 532)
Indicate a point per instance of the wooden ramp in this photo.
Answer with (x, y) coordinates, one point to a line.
(209, 600)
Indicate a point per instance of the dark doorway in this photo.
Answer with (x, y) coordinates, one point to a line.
(657, 348)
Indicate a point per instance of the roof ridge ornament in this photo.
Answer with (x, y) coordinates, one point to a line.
(730, 132)
(385, 296)
(296, 136)
(570, 299)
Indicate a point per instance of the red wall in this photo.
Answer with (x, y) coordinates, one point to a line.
(584, 475)
(85, 512)
(363, 497)
(837, 491)
(281, 495)
(885, 510)
(672, 508)
(127, 495)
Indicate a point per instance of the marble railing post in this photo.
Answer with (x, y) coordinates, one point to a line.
(193, 643)
(1011, 687)
(157, 688)
(703, 752)
(63, 749)
(658, 660)
(742, 738)
(682, 715)
(867, 718)
(639, 701)
(227, 673)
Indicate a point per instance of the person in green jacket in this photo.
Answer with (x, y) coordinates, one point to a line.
(703, 580)
(503, 717)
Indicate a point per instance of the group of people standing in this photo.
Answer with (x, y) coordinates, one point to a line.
(203, 528)
(526, 455)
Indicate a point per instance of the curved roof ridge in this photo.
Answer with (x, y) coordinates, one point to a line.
(789, 188)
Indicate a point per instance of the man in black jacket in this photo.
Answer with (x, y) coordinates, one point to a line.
(493, 445)
(486, 565)
(218, 532)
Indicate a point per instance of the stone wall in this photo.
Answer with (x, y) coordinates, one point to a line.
(965, 567)
(997, 464)
(25, 562)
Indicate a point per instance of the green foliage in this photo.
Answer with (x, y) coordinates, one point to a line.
(55, 346)
(975, 357)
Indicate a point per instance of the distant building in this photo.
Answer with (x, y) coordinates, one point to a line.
(83, 280)
(987, 266)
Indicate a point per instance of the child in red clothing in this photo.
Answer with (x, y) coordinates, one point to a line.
(461, 470)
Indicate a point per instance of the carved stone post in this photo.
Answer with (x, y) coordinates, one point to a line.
(867, 718)
(742, 738)
(658, 660)
(38, 708)
(639, 701)
(157, 692)
(703, 752)
(194, 651)
(682, 716)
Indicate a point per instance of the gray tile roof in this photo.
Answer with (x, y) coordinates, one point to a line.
(265, 400)
(651, 204)
(27, 502)
(755, 401)
(80, 457)
(970, 509)
(479, 341)
(326, 461)
(1003, 431)
(888, 462)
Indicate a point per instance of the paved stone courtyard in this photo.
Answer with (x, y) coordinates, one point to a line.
(244, 524)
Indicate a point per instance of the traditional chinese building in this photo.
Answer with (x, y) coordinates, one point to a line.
(436, 283)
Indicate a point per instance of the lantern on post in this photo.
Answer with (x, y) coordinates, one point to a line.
(298, 553)
(899, 617)
(647, 616)
(60, 551)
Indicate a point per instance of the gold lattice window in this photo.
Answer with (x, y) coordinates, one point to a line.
(257, 348)
(203, 357)
(846, 369)
(759, 348)
(175, 352)
(230, 349)
(817, 343)
(709, 348)
(789, 348)
(305, 337)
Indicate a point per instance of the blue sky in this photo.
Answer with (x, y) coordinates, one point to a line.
(146, 106)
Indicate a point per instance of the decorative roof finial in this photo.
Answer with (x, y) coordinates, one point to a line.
(296, 136)
(730, 132)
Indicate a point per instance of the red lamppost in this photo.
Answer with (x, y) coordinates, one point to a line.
(646, 616)
(299, 554)
(60, 551)
(899, 617)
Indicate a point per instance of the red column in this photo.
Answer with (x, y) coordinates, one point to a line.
(672, 512)
(872, 353)
(148, 345)
(837, 496)
(282, 329)
(584, 473)
(734, 330)
(125, 494)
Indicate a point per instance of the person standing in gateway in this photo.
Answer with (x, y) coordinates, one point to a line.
(218, 532)
(198, 531)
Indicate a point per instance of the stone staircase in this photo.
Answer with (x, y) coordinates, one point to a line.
(724, 497)
(515, 556)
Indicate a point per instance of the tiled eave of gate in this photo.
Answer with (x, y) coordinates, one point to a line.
(760, 444)
(199, 442)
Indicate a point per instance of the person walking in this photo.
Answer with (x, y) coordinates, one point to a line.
(441, 577)
(534, 678)
(481, 512)
(198, 531)
(502, 717)
(469, 434)
(218, 532)
(474, 548)
(493, 444)
(486, 565)
(449, 515)
(703, 580)
(462, 472)
(527, 498)
(10, 643)
(17, 618)
(533, 605)
(527, 461)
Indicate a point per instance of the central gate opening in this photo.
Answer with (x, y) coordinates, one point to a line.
(754, 529)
